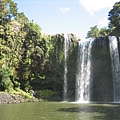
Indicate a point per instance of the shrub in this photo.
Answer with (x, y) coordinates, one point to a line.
(47, 94)
(5, 82)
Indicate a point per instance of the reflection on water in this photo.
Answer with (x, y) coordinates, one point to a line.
(90, 113)
(95, 111)
(98, 112)
(82, 114)
(59, 111)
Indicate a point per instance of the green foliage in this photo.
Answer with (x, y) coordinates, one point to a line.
(21, 18)
(93, 33)
(5, 82)
(114, 15)
(47, 94)
(103, 32)
(18, 91)
(8, 10)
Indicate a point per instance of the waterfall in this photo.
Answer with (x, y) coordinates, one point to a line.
(65, 66)
(67, 42)
(83, 75)
(115, 67)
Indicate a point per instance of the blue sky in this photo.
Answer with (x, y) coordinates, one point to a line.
(67, 16)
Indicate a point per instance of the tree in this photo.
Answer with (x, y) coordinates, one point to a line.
(21, 18)
(5, 82)
(12, 8)
(93, 33)
(114, 15)
(32, 50)
(103, 32)
(8, 9)
(3, 10)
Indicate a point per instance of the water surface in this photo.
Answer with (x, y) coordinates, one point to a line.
(59, 111)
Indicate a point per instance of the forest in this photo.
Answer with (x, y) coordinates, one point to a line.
(32, 61)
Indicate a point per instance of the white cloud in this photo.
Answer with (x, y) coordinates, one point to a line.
(103, 22)
(65, 10)
(93, 6)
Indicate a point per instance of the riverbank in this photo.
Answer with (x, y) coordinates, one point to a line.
(15, 98)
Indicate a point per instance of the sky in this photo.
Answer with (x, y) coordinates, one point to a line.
(67, 16)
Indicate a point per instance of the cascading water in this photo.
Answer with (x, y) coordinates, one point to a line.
(115, 67)
(67, 44)
(65, 67)
(83, 76)
(93, 82)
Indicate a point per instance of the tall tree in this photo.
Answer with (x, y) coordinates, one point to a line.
(114, 15)
(8, 10)
(3, 10)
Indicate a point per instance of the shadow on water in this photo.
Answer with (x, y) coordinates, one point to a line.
(95, 111)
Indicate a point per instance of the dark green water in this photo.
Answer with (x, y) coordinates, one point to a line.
(59, 111)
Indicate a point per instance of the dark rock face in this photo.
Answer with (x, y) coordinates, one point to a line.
(102, 83)
(71, 75)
